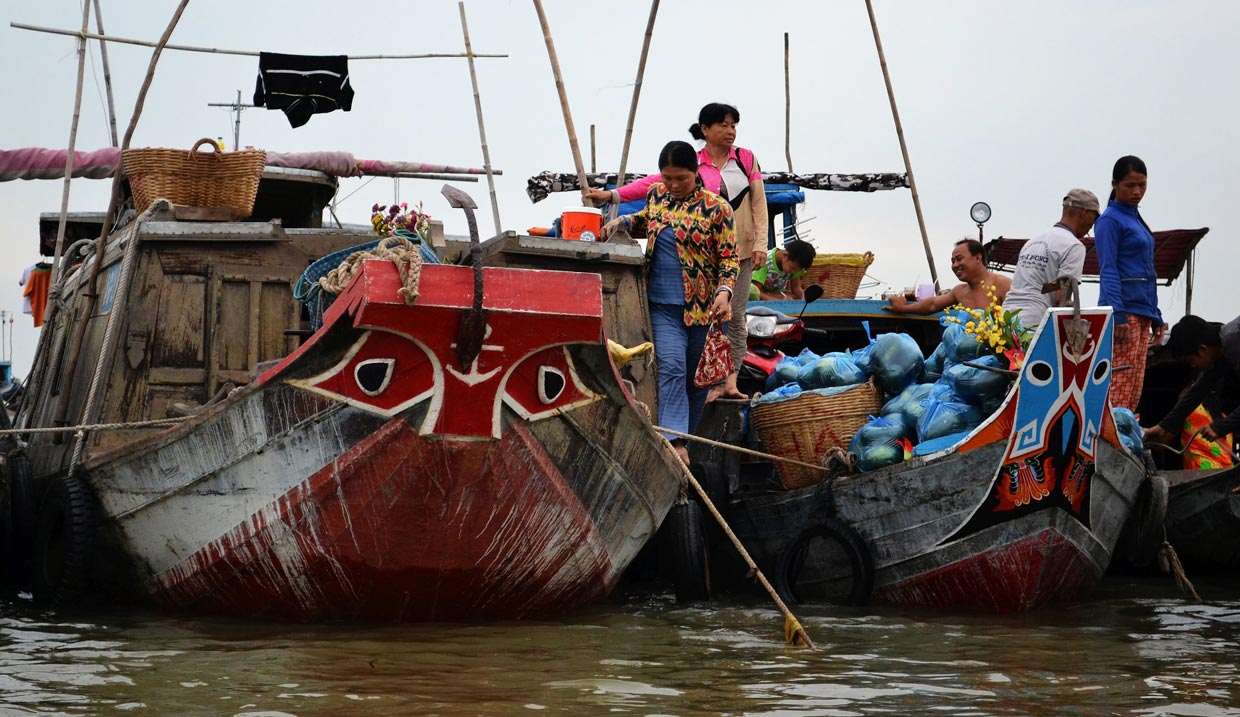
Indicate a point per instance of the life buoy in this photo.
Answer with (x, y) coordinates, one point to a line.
(686, 528)
(64, 538)
(844, 545)
(1143, 532)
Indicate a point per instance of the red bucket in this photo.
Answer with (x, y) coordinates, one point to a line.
(581, 223)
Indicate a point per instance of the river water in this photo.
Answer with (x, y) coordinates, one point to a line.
(1135, 649)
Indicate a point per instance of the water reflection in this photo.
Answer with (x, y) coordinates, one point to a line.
(1137, 650)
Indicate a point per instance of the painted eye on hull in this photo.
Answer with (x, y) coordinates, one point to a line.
(1101, 370)
(1040, 373)
(373, 375)
(551, 383)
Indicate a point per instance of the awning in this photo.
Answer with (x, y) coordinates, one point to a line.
(1171, 251)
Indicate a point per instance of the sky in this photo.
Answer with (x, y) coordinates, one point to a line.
(1008, 103)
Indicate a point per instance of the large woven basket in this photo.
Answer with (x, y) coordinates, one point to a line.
(808, 426)
(227, 180)
(839, 274)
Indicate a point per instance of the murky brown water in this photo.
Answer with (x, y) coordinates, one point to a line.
(1134, 650)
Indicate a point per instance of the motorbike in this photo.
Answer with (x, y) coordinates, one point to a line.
(767, 329)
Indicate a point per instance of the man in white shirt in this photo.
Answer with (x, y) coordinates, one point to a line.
(1051, 256)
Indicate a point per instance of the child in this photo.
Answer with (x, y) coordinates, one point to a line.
(780, 277)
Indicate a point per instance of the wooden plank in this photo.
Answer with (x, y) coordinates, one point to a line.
(201, 214)
(256, 298)
(182, 376)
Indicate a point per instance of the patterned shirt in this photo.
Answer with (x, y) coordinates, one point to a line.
(705, 242)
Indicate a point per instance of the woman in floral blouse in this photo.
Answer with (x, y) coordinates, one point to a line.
(692, 265)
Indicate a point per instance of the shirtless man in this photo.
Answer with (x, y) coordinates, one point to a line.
(968, 266)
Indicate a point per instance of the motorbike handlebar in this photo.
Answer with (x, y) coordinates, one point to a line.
(815, 332)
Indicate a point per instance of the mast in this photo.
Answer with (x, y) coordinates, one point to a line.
(908, 166)
(482, 130)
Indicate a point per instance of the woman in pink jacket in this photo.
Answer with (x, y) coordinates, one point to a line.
(731, 172)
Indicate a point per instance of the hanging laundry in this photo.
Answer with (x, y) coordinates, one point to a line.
(303, 85)
(36, 280)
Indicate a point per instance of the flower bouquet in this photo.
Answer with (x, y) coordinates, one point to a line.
(995, 329)
(387, 220)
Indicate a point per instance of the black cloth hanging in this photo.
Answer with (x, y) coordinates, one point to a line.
(303, 85)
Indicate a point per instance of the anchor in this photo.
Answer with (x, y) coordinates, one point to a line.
(474, 322)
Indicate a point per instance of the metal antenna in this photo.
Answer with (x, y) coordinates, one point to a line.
(237, 108)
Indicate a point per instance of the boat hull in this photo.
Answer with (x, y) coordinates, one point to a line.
(1203, 517)
(302, 498)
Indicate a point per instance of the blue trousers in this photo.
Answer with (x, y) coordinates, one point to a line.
(677, 349)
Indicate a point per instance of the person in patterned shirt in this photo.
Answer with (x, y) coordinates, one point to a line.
(691, 271)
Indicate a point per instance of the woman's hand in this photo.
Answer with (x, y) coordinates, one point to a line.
(1158, 334)
(759, 257)
(721, 309)
(599, 196)
(1121, 333)
(612, 227)
(1157, 435)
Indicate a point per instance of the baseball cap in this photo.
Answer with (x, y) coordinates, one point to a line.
(1082, 199)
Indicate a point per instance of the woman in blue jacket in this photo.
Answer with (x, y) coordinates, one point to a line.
(1128, 282)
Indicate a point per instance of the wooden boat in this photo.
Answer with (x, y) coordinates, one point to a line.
(382, 470)
(1203, 517)
(1023, 512)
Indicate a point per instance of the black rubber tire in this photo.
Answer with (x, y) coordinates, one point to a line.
(861, 561)
(22, 509)
(1142, 534)
(690, 552)
(64, 541)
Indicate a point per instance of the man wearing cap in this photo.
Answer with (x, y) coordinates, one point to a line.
(1053, 255)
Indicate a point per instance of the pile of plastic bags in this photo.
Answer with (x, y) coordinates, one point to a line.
(937, 407)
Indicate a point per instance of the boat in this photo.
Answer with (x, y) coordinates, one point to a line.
(471, 453)
(1022, 512)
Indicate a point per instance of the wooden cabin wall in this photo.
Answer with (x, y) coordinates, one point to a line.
(201, 317)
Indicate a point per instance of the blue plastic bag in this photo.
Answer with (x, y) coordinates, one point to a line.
(934, 364)
(897, 362)
(976, 385)
(959, 345)
(878, 442)
(1130, 433)
(864, 359)
(806, 356)
(942, 418)
(833, 369)
(912, 394)
(937, 444)
(785, 372)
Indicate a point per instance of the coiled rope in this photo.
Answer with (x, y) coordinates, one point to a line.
(397, 249)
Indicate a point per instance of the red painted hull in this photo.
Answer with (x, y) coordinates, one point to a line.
(406, 528)
(1041, 569)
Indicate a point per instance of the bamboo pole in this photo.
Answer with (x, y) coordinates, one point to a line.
(73, 128)
(482, 131)
(88, 292)
(107, 76)
(637, 91)
(568, 115)
(218, 51)
(593, 152)
(794, 633)
(908, 166)
(787, 108)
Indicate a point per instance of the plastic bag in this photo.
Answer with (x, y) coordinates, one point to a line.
(942, 418)
(833, 369)
(806, 356)
(785, 372)
(937, 444)
(959, 345)
(976, 385)
(935, 363)
(1130, 433)
(782, 393)
(864, 359)
(881, 442)
(924, 396)
(897, 362)
(916, 392)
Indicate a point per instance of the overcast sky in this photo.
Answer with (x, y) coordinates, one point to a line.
(1010, 103)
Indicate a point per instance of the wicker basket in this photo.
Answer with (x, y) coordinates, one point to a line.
(808, 426)
(227, 180)
(839, 274)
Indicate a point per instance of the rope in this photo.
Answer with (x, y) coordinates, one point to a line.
(747, 451)
(95, 427)
(1169, 561)
(400, 251)
(108, 346)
